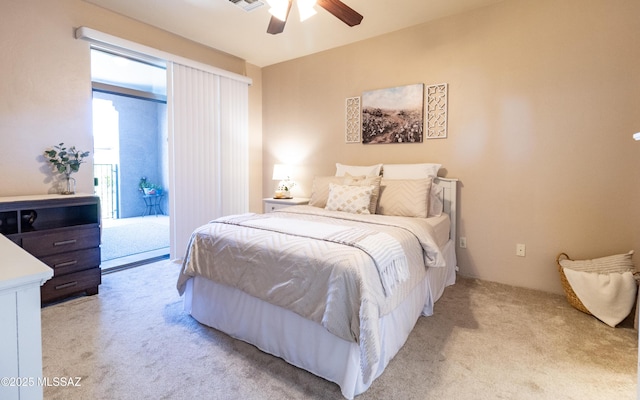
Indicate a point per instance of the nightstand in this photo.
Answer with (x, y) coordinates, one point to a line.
(270, 204)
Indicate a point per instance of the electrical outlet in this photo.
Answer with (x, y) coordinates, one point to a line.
(520, 250)
(463, 242)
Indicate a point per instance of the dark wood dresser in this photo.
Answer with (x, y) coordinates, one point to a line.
(63, 231)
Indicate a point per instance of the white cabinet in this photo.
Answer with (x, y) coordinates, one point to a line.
(271, 204)
(21, 276)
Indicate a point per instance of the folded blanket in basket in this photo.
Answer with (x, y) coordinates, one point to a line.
(605, 286)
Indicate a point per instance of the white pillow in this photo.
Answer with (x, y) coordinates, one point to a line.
(352, 199)
(410, 171)
(436, 206)
(371, 170)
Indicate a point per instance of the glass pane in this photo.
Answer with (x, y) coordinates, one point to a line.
(121, 71)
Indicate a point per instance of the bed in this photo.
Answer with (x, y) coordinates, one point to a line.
(335, 293)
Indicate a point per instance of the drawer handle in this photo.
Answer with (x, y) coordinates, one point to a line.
(66, 285)
(65, 264)
(65, 242)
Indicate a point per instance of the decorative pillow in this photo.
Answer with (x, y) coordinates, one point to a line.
(418, 171)
(619, 263)
(371, 170)
(404, 197)
(410, 171)
(366, 181)
(352, 199)
(320, 189)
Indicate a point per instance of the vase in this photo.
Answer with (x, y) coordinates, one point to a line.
(70, 187)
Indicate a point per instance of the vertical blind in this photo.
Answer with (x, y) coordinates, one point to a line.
(208, 122)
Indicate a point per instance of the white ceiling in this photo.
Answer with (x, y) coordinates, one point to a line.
(224, 26)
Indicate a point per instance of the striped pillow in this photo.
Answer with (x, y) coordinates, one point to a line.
(404, 197)
(619, 263)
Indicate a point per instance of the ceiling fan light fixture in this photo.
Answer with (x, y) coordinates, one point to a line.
(280, 11)
(279, 8)
(305, 9)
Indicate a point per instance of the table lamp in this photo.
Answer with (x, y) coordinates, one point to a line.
(282, 173)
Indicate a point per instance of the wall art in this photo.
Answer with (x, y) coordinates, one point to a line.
(352, 120)
(437, 111)
(393, 115)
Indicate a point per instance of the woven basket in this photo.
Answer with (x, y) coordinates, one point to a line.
(572, 298)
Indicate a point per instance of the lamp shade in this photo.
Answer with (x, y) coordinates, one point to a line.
(281, 172)
(636, 136)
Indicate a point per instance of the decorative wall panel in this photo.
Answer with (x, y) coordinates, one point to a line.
(437, 111)
(352, 120)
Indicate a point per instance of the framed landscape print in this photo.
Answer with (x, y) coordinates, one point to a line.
(394, 115)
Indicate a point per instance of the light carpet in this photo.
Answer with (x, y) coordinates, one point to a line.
(485, 341)
(123, 240)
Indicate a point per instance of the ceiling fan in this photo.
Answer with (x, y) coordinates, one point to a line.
(280, 12)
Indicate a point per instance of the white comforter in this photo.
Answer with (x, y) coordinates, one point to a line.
(335, 284)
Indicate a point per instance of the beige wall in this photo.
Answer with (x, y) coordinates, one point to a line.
(543, 100)
(46, 88)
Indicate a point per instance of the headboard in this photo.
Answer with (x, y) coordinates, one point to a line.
(449, 200)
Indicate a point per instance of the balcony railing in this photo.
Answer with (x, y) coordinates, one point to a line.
(106, 187)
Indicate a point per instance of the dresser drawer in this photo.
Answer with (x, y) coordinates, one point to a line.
(61, 286)
(62, 241)
(66, 263)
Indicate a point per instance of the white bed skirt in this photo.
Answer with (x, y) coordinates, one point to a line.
(307, 344)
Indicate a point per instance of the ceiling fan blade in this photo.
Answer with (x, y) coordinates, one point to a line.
(341, 11)
(276, 25)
